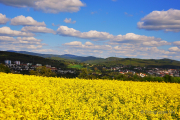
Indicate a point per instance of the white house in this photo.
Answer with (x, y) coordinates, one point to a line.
(17, 62)
(7, 62)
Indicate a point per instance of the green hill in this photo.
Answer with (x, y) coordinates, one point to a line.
(23, 58)
(111, 61)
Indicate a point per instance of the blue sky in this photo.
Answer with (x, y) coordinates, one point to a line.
(103, 28)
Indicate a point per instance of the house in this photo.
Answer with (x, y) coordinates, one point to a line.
(121, 72)
(53, 69)
(8, 62)
(29, 64)
(17, 62)
(38, 65)
(142, 75)
(48, 66)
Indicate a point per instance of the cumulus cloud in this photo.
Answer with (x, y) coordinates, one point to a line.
(22, 20)
(119, 39)
(96, 36)
(74, 43)
(156, 43)
(161, 20)
(34, 46)
(37, 29)
(121, 50)
(141, 51)
(20, 40)
(29, 40)
(6, 39)
(174, 49)
(93, 34)
(133, 38)
(69, 21)
(3, 19)
(48, 6)
(20, 43)
(87, 45)
(6, 31)
(177, 43)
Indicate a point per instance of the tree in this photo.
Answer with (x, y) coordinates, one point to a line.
(84, 73)
(167, 78)
(43, 71)
(5, 69)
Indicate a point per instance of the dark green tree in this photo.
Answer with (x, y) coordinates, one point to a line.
(4, 68)
(43, 71)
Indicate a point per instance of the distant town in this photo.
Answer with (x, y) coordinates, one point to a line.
(18, 67)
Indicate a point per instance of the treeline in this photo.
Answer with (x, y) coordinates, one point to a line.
(40, 71)
(46, 72)
(84, 74)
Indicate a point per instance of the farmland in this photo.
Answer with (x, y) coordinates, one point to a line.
(77, 66)
(33, 97)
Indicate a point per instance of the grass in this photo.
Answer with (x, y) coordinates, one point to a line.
(75, 66)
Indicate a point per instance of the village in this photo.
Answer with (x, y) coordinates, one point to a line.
(144, 71)
(18, 67)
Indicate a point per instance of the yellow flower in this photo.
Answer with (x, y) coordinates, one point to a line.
(32, 97)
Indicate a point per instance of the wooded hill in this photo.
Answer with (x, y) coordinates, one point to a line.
(23, 58)
(111, 61)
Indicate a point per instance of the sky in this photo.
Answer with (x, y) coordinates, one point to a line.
(146, 29)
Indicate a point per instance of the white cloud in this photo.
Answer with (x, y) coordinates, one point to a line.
(45, 51)
(20, 40)
(156, 43)
(22, 20)
(6, 38)
(48, 6)
(87, 45)
(74, 43)
(98, 36)
(6, 31)
(34, 46)
(174, 49)
(29, 40)
(37, 29)
(161, 20)
(177, 43)
(129, 55)
(3, 19)
(93, 34)
(122, 50)
(20, 43)
(69, 21)
(131, 37)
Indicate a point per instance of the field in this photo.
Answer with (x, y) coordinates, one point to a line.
(75, 66)
(32, 97)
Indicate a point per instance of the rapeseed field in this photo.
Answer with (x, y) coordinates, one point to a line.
(32, 97)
